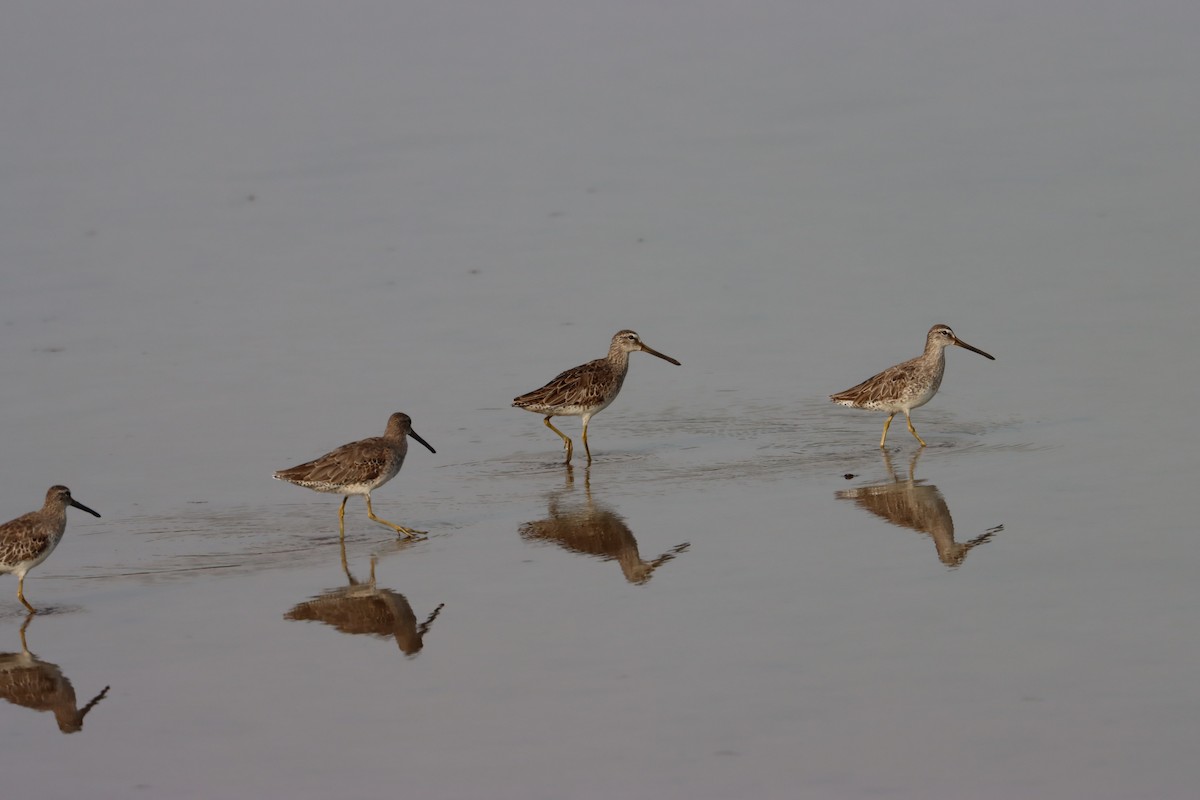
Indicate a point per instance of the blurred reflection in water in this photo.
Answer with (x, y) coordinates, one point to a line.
(26, 680)
(918, 506)
(593, 529)
(363, 608)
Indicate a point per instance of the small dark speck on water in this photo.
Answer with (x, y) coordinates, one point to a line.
(849, 476)
(474, 272)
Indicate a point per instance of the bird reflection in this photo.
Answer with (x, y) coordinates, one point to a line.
(595, 530)
(26, 680)
(364, 608)
(916, 505)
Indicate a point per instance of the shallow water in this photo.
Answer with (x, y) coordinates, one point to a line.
(234, 239)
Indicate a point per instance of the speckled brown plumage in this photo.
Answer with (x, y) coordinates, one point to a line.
(358, 468)
(908, 385)
(29, 539)
(588, 389)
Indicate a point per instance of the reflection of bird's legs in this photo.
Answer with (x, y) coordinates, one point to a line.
(566, 442)
(913, 430)
(887, 463)
(346, 564)
(24, 625)
(21, 595)
(424, 626)
(409, 532)
(887, 424)
(912, 465)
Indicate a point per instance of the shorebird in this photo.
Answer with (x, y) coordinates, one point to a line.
(29, 539)
(588, 389)
(359, 468)
(909, 385)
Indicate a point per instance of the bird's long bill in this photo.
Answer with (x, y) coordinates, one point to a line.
(654, 352)
(963, 344)
(413, 434)
(82, 507)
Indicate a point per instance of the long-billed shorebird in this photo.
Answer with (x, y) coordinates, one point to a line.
(909, 385)
(29, 539)
(358, 468)
(588, 389)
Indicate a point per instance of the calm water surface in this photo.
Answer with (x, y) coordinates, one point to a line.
(233, 240)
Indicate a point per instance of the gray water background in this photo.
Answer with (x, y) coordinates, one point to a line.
(236, 235)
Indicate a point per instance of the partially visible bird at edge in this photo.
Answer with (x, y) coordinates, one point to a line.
(29, 539)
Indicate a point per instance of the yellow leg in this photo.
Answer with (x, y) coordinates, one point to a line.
(586, 449)
(342, 524)
(886, 425)
(21, 595)
(566, 442)
(409, 532)
(913, 430)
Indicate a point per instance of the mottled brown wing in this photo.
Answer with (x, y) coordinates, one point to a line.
(582, 385)
(22, 539)
(357, 462)
(886, 386)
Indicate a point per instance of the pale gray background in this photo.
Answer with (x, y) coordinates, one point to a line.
(236, 234)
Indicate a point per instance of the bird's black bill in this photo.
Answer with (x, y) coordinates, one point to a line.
(82, 507)
(963, 344)
(654, 352)
(413, 434)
